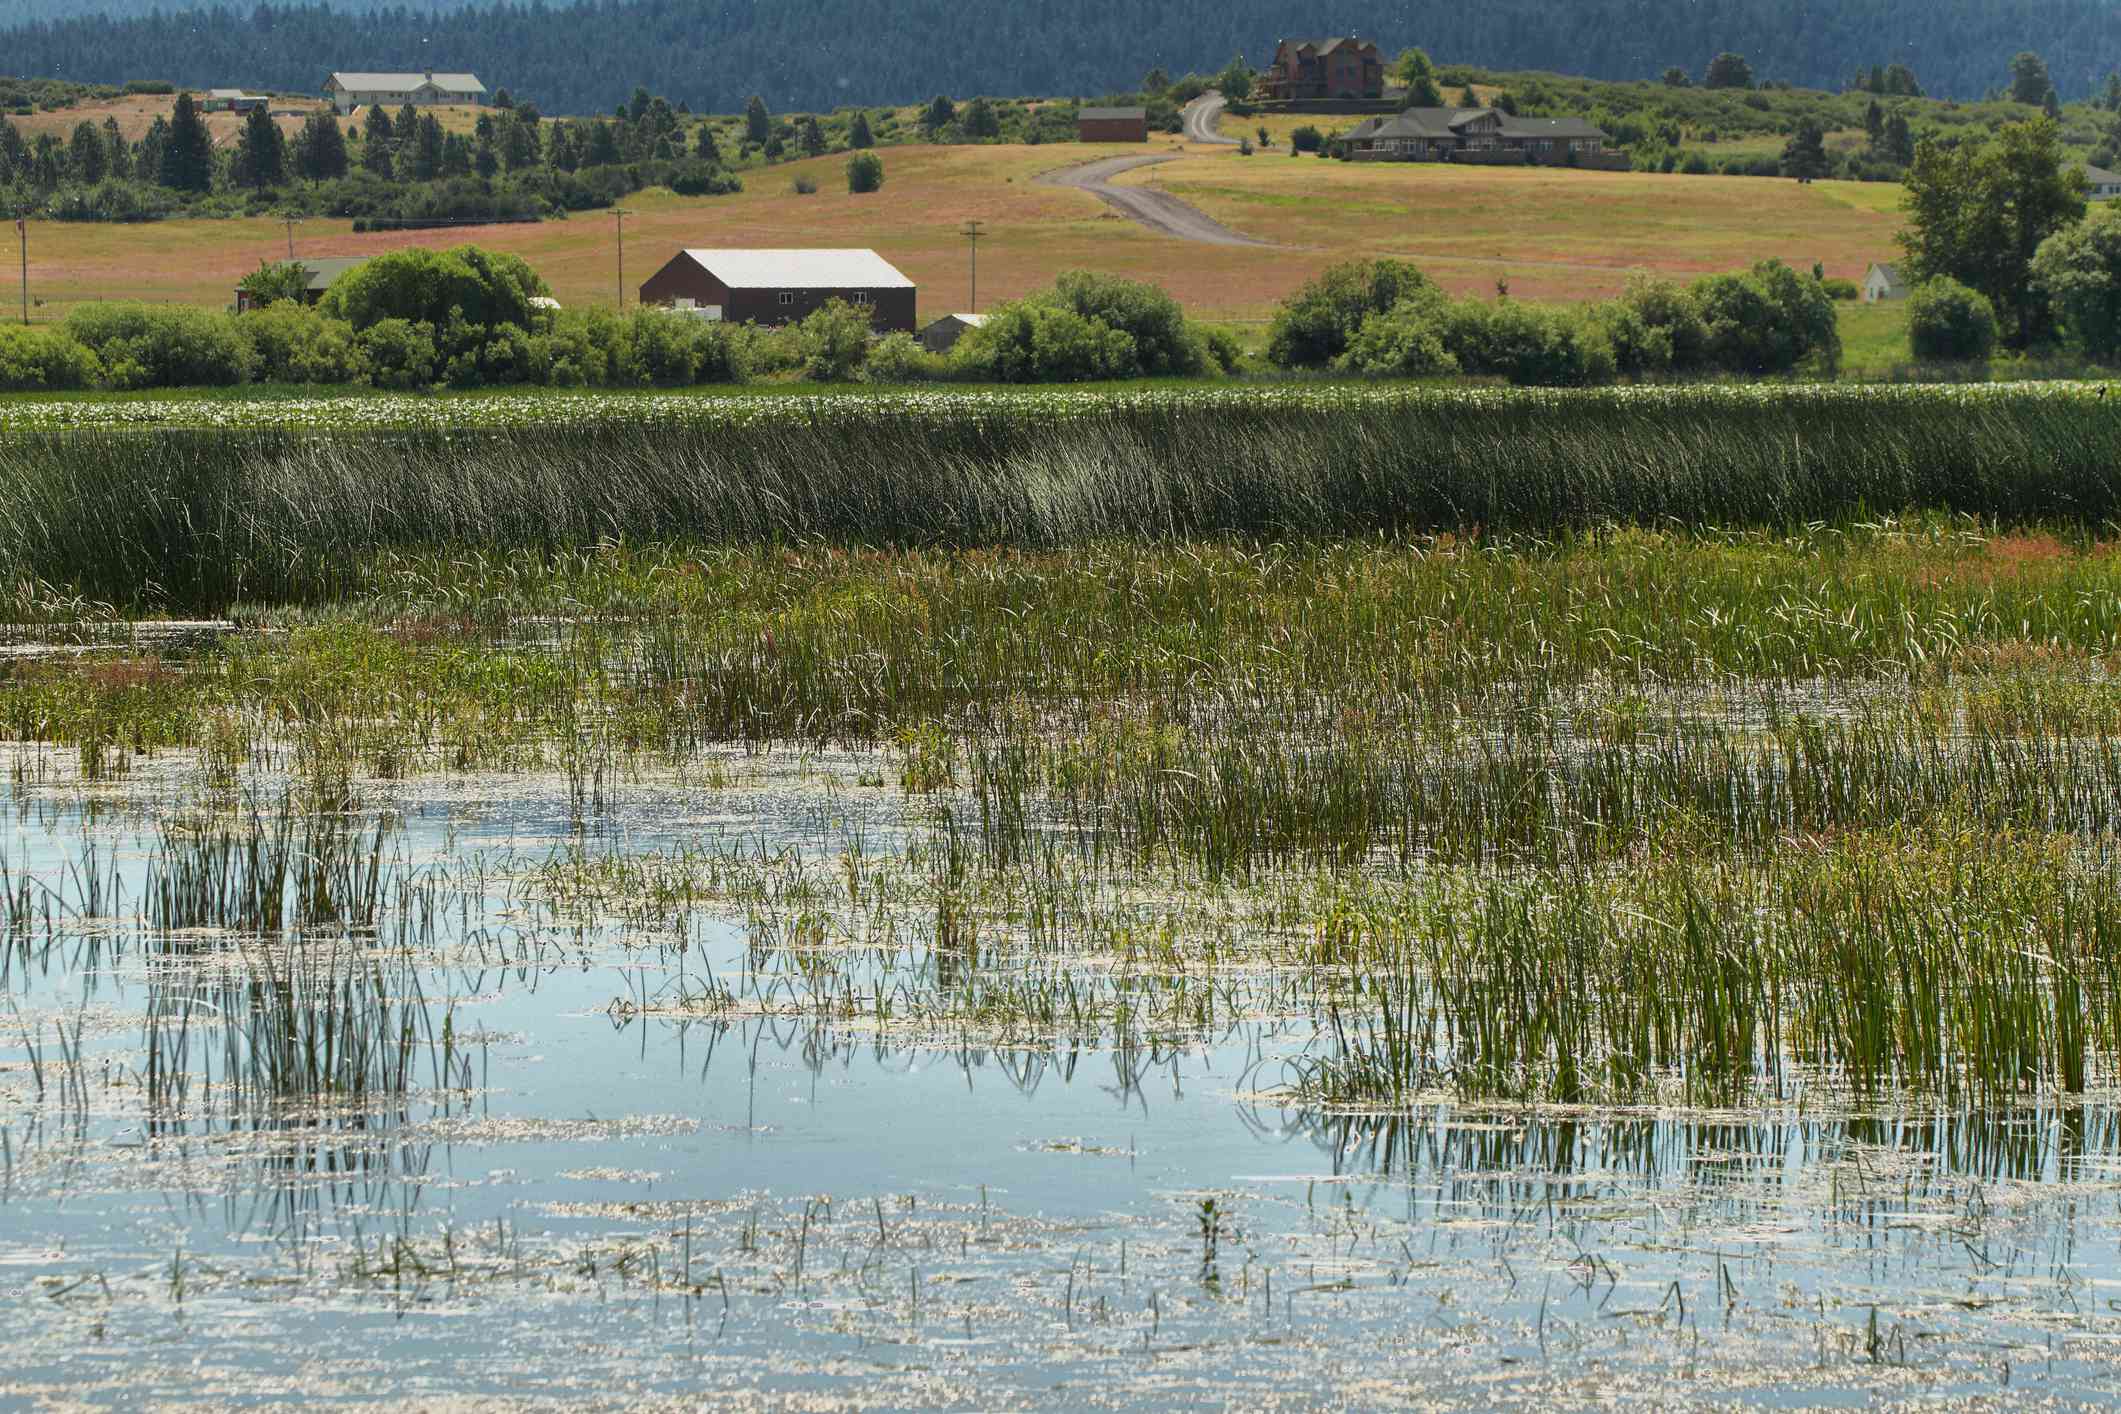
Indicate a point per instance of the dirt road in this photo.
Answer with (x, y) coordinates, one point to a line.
(1159, 211)
(1201, 117)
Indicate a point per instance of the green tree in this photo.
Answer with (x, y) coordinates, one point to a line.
(758, 123)
(980, 120)
(1234, 83)
(187, 152)
(1412, 66)
(1804, 155)
(937, 115)
(1899, 140)
(865, 173)
(320, 149)
(1978, 213)
(1900, 82)
(1728, 70)
(121, 153)
(704, 146)
(2030, 81)
(858, 134)
(1676, 77)
(1467, 98)
(273, 282)
(261, 153)
(1874, 125)
(2079, 270)
(1155, 82)
(377, 142)
(812, 136)
(832, 341)
(86, 156)
(1949, 323)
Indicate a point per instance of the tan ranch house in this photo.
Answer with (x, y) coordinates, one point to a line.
(348, 91)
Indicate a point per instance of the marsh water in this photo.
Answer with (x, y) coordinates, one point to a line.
(627, 1157)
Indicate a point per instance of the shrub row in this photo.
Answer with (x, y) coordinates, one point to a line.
(1386, 317)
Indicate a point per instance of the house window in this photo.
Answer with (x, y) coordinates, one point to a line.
(787, 296)
(860, 297)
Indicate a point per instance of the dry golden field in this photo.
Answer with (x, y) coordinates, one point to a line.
(1551, 234)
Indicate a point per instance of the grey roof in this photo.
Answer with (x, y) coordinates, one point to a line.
(324, 270)
(363, 82)
(800, 269)
(1327, 46)
(1891, 272)
(1447, 122)
(970, 321)
(1113, 114)
(231, 93)
(2099, 176)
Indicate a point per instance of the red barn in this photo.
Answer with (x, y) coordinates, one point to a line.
(1112, 125)
(783, 286)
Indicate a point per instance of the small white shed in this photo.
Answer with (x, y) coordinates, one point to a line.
(1882, 283)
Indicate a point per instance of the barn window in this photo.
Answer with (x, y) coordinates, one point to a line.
(787, 296)
(861, 297)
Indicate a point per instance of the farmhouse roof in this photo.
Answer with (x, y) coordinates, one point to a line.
(1111, 115)
(227, 93)
(324, 270)
(365, 82)
(2098, 176)
(970, 321)
(800, 269)
(1549, 127)
(1890, 272)
(1327, 46)
(1445, 122)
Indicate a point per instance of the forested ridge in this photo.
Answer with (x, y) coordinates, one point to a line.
(816, 54)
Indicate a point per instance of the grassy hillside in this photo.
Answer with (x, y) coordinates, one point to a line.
(1551, 234)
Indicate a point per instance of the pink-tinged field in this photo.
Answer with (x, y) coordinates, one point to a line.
(1550, 234)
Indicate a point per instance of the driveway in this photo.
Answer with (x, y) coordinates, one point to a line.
(1201, 118)
(1159, 211)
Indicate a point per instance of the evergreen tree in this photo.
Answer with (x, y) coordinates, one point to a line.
(937, 115)
(813, 137)
(1804, 155)
(2051, 105)
(1676, 77)
(153, 144)
(187, 152)
(758, 123)
(858, 134)
(602, 146)
(261, 153)
(87, 160)
(1468, 99)
(484, 161)
(427, 147)
(705, 147)
(1728, 70)
(119, 150)
(378, 142)
(1874, 124)
(980, 120)
(1899, 140)
(2030, 83)
(1155, 82)
(456, 155)
(320, 149)
(1900, 82)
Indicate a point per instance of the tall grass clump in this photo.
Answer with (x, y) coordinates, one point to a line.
(201, 518)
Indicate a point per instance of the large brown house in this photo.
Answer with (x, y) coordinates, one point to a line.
(1324, 68)
(782, 286)
(1481, 135)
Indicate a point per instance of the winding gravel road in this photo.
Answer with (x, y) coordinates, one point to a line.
(1201, 118)
(1159, 211)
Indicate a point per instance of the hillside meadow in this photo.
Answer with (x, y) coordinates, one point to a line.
(1554, 235)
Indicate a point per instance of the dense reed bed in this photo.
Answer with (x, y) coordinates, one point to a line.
(200, 519)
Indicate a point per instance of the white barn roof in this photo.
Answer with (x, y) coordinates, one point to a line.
(800, 269)
(404, 83)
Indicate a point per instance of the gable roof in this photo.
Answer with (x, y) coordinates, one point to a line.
(1112, 114)
(1890, 272)
(800, 269)
(970, 321)
(358, 82)
(324, 270)
(1447, 122)
(1327, 46)
(2099, 176)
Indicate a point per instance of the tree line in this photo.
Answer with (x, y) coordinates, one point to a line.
(818, 54)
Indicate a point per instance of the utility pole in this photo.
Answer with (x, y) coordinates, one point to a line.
(972, 230)
(289, 222)
(620, 213)
(22, 231)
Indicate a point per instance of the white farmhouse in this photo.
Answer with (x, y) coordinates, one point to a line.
(2103, 185)
(348, 91)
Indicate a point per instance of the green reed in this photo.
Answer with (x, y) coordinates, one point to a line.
(204, 519)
